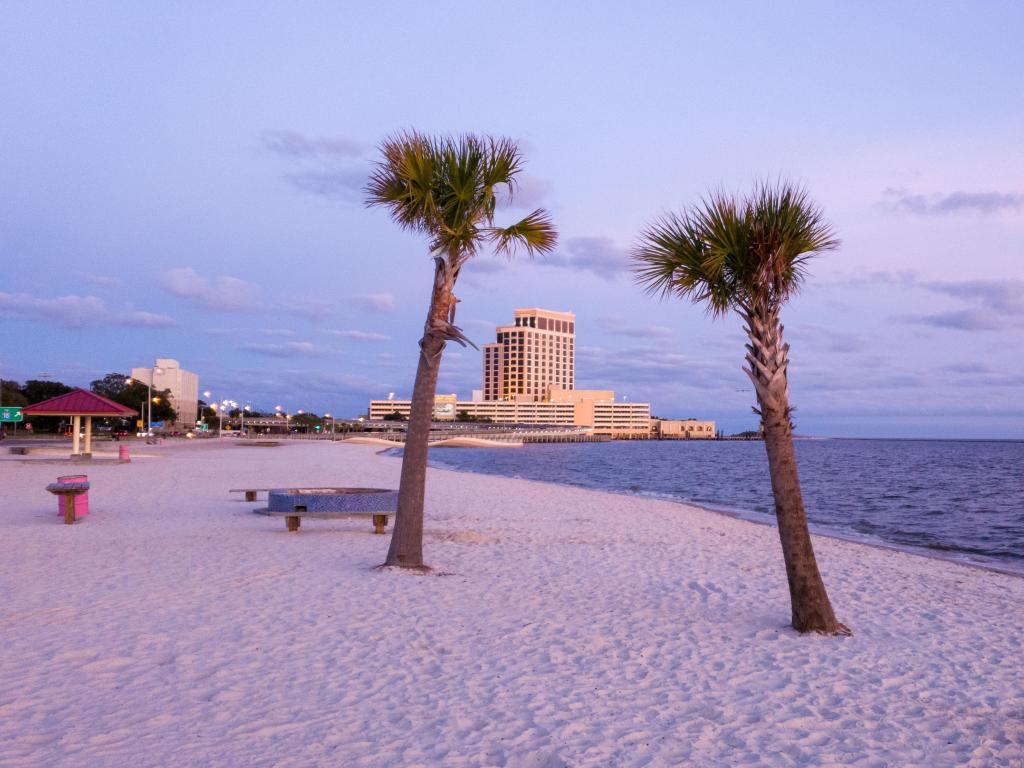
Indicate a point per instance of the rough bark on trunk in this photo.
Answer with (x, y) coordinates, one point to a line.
(406, 548)
(768, 360)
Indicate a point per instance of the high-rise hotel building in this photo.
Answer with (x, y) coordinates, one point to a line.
(536, 352)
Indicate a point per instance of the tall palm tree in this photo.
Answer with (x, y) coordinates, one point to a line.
(750, 256)
(447, 189)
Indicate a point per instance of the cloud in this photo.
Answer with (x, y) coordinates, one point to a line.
(334, 168)
(962, 320)
(986, 305)
(1005, 296)
(76, 312)
(338, 184)
(103, 281)
(358, 335)
(375, 302)
(292, 144)
(653, 366)
(618, 326)
(598, 255)
(307, 308)
(226, 294)
(952, 203)
(287, 349)
(530, 193)
(992, 305)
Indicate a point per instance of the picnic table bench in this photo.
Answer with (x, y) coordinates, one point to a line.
(331, 504)
(67, 492)
(292, 517)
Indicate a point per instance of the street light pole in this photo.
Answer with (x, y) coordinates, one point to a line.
(149, 397)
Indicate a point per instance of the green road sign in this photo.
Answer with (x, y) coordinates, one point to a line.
(11, 414)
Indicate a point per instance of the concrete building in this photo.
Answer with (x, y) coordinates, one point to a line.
(536, 352)
(594, 409)
(682, 429)
(529, 377)
(184, 386)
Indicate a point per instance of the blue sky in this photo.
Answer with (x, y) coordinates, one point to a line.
(181, 180)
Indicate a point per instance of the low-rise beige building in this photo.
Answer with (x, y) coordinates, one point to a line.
(682, 429)
(593, 409)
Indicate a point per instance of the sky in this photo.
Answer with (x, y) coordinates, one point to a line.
(184, 180)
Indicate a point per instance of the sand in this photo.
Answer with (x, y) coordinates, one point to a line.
(561, 627)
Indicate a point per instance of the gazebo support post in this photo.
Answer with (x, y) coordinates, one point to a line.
(88, 436)
(76, 422)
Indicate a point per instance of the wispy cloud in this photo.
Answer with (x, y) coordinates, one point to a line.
(598, 255)
(226, 294)
(530, 192)
(76, 312)
(293, 144)
(334, 167)
(358, 335)
(337, 184)
(939, 204)
(307, 308)
(616, 325)
(103, 281)
(991, 305)
(287, 349)
(985, 305)
(375, 302)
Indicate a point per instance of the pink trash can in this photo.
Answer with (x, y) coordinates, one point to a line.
(122, 454)
(81, 499)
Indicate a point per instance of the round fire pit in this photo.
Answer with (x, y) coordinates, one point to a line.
(332, 500)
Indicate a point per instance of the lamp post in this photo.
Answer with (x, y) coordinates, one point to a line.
(149, 397)
(244, 410)
(207, 394)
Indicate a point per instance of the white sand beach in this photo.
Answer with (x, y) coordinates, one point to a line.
(561, 627)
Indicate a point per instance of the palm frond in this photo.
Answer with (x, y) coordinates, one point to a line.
(727, 252)
(535, 233)
(445, 187)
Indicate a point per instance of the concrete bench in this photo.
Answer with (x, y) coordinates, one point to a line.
(293, 516)
(67, 492)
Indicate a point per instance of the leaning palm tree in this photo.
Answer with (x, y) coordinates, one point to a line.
(447, 189)
(750, 255)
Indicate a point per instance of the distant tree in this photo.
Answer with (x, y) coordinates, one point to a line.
(36, 390)
(11, 393)
(447, 189)
(749, 256)
(134, 393)
(111, 386)
(394, 416)
(206, 413)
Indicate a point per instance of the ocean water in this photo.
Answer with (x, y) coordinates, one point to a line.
(958, 499)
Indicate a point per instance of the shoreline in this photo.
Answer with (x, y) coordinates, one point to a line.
(817, 529)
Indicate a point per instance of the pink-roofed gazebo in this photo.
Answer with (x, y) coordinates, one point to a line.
(78, 404)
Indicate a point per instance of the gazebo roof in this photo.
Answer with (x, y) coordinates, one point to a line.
(79, 402)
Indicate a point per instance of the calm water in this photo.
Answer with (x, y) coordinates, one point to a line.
(959, 499)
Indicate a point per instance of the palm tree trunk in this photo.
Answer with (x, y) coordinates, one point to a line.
(768, 360)
(406, 549)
